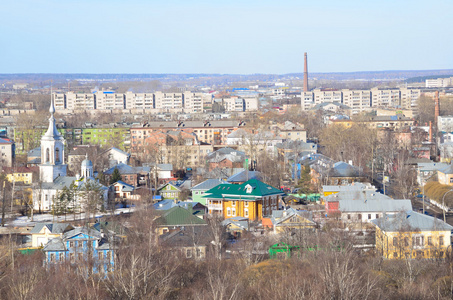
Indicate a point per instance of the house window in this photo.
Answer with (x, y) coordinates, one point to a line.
(441, 240)
(61, 258)
(377, 216)
(109, 255)
(52, 257)
(71, 244)
(246, 212)
(246, 204)
(430, 241)
(228, 211)
(80, 256)
(417, 241)
(359, 216)
(72, 257)
(234, 212)
(369, 216)
(349, 217)
(406, 241)
(188, 253)
(199, 253)
(395, 242)
(101, 255)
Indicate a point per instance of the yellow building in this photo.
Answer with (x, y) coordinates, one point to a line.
(445, 175)
(412, 235)
(253, 199)
(21, 174)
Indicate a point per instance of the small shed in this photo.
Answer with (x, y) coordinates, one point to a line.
(283, 250)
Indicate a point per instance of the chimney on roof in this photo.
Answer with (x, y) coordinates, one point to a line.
(430, 136)
(305, 73)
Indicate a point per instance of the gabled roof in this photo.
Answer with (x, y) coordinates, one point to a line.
(55, 244)
(178, 216)
(6, 141)
(244, 176)
(411, 221)
(125, 187)
(240, 222)
(342, 169)
(249, 190)
(126, 169)
(55, 228)
(82, 230)
(279, 216)
(119, 151)
(208, 184)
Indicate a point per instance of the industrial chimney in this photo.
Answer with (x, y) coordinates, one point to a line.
(305, 73)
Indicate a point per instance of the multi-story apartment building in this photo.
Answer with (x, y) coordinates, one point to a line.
(439, 82)
(385, 97)
(188, 102)
(357, 100)
(445, 123)
(361, 100)
(409, 97)
(240, 104)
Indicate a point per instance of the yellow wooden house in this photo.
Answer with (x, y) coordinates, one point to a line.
(253, 199)
(412, 235)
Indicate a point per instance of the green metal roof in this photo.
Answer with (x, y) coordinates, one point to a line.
(178, 216)
(249, 190)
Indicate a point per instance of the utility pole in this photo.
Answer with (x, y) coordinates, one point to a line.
(3, 205)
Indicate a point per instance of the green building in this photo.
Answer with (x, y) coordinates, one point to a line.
(283, 250)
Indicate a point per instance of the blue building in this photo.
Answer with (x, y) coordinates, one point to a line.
(81, 246)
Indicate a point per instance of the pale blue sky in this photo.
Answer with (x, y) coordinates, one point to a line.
(240, 37)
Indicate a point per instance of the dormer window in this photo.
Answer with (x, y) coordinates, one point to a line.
(248, 188)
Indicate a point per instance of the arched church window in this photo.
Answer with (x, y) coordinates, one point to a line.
(47, 155)
(57, 155)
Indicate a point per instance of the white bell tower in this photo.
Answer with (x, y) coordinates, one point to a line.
(52, 151)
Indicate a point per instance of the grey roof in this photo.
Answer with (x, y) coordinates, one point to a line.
(226, 153)
(377, 205)
(82, 230)
(356, 186)
(278, 216)
(240, 222)
(126, 169)
(356, 195)
(164, 204)
(55, 228)
(120, 151)
(299, 146)
(427, 167)
(36, 152)
(244, 176)
(165, 167)
(59, 183)
(342, 169)
(447, 170)
(208, 184)
(55, 244)
(411, 220)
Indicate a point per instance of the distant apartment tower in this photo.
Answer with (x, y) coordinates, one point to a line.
(188, 102)
(361, 100)
(439, 82)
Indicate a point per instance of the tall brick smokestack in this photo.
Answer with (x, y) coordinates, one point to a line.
(430, 136)
(305, 73)
(436, 108)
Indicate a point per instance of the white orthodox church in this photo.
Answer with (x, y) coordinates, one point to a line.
(52, 170)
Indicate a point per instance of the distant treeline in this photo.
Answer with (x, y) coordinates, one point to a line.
(423, 78)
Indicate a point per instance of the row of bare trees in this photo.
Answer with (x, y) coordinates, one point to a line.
(145, 270)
